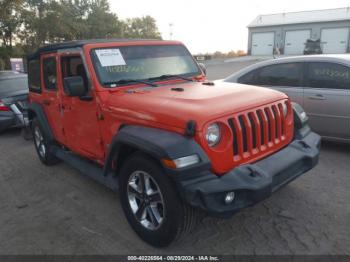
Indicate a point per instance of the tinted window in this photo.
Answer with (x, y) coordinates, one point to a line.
(34, 75)
(73, 66)
(50, 74)
(328, 75)
(280, 75)
(248, 79)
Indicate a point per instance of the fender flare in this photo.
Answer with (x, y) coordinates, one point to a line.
(37, 110)
(157, 143)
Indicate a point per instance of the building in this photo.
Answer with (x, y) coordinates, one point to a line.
(287, 33)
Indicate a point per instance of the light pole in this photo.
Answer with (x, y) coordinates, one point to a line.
(171, 30)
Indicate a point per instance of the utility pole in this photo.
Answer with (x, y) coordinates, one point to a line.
(171, 30)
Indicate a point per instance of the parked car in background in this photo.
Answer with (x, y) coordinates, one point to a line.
(320, 83)
(13, 99)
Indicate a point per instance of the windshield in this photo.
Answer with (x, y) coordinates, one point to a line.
(142, 63)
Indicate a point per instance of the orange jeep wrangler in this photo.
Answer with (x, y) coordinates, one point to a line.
(140, 117)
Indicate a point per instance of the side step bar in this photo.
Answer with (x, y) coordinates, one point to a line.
(86, 167)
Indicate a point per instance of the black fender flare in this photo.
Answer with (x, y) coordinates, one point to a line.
(159, 144)
(37, 110)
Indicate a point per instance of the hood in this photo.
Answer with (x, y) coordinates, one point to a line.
(176, 104)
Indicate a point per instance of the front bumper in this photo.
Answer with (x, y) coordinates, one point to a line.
(251, 183)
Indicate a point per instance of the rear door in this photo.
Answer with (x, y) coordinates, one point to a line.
(327, 99)
(51, 99)
(287, 78)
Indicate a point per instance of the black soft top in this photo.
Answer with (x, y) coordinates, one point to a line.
(78, 43)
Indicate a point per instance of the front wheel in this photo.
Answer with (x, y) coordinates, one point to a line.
(151, 203)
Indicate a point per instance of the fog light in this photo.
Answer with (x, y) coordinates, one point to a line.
(230, 196)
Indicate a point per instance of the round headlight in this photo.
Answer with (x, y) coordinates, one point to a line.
(285, 109)
(213, 135)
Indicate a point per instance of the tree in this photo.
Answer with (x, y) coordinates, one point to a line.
(9, 20)
(101, 22)
(144, 27)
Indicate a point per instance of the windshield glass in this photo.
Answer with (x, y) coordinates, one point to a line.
(142, 63)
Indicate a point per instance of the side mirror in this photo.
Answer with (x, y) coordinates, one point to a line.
(203, 68)
(74, 86)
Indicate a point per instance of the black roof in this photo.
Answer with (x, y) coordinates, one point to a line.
(79, 43)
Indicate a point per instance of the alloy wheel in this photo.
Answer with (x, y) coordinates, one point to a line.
(39, 142)
(146, 200)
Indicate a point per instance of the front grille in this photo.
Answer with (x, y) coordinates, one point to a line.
(256, 131)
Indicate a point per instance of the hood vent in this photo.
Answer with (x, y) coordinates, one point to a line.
(178, 89)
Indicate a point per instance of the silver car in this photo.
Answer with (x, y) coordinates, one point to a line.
(320, 83)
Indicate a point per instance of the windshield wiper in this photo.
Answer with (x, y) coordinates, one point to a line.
(170, 76)
(127, 81)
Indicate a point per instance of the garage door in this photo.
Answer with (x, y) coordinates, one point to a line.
(295, 42)
(262, 43)
(334, 40)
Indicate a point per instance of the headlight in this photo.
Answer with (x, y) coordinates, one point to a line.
(213, 135)
(285, 109)
(300, 116)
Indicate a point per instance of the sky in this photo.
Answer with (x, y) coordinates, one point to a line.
(214, 25)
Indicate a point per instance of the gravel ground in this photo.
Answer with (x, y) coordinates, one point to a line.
(57, 210)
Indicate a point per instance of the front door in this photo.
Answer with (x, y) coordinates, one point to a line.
(80, 115)
(51, 98)
(326, 99)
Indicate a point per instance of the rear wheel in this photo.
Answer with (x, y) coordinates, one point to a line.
(151, 203)
(42, 145)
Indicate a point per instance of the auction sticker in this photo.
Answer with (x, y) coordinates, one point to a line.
(110, 57)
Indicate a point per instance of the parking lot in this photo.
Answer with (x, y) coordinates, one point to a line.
(57, 210)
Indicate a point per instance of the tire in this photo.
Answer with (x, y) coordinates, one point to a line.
(42, 145)
(171, 217)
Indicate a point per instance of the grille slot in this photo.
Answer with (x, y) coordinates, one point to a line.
(234, 132)
(244, 133)
(254, 129)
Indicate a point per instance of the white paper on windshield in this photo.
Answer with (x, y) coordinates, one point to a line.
(110, 57)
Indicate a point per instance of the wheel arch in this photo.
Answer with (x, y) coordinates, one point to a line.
(35, 110)
(156, 143)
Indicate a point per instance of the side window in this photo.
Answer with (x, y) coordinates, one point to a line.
(73, 66)
(281, 75)
(34, 75)
(328, 75)
(50, 73)
(249, 78)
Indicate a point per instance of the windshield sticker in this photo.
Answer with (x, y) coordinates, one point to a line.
(110, 57)
(125, 68)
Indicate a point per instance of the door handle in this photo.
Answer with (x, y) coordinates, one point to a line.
(317, 97)
(46, 102)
